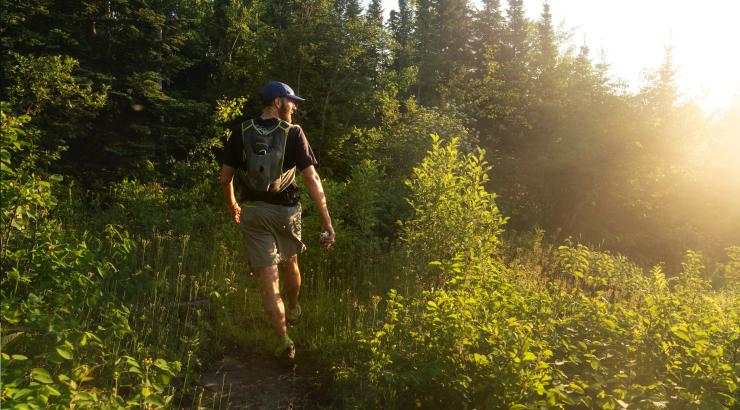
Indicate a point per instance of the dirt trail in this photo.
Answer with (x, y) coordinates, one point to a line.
(254, 380)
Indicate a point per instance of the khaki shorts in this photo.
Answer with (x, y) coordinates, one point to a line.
(272, 232)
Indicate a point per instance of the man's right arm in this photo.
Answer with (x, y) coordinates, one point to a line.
(227, 176)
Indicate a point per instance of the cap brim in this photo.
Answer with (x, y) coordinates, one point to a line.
(295, 98)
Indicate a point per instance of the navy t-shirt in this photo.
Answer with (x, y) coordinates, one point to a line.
(298, 154)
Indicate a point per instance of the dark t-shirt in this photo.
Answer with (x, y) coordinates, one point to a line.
(298, 154)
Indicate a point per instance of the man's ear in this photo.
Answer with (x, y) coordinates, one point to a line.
(277, 102)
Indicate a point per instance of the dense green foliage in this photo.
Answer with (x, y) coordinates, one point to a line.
(570, 327)
(122, 274)
(576, 153)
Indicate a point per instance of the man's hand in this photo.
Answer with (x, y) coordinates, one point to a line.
(327, 236)
(236, 213)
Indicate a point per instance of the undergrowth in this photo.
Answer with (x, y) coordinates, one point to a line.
(122, 299)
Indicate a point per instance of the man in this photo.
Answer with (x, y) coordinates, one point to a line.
(270, 211)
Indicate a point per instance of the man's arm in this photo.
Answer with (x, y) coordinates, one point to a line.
(227, 175)
(316, 190)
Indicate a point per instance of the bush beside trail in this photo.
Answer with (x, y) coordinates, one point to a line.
(485, 340)
(574, 328)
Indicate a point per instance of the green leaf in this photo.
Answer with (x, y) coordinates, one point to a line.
(19, 357)
(155, 400)
(19, 394)
(529, 356)
(480, 359)
(131, 361)
(41, 375)
(55, 358)
(162, 364)
(65, 352)
(594, 363)
(85, 396)
(52, 391)
(576, 388)
(681, 334)
(610, 324)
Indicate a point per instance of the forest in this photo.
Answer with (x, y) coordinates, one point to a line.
(516, 228)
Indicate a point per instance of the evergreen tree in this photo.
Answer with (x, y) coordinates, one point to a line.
(507, 139)
(515, 75)
(660, 94)
(545, 50)
(483, 99)
(488, 33)
(376, 39)
(374, 11)
(443, 32)
(403, 50)
(427, 50)
(516, 45)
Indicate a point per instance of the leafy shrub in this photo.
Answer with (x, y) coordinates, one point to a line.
(402, 141)
(453, 212)
(599, 273)
(591, 330)
(484, 341)
(70, 321)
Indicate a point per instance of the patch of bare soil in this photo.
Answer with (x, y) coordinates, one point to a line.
(244, 379)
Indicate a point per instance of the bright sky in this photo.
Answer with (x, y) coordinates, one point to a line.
(632, 33)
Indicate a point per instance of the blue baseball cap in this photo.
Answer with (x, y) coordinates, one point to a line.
(275, 89)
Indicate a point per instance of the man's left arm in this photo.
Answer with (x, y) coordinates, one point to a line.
(313, 183)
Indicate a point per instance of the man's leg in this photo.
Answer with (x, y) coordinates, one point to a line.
(271, 300)
(292, 277)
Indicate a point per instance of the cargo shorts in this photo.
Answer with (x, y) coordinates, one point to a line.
(272, 232)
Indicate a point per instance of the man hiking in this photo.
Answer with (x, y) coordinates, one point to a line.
(263, 154)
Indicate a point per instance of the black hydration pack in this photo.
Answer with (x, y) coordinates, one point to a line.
(263, 155)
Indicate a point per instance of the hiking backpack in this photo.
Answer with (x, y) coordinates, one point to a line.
(263, 156)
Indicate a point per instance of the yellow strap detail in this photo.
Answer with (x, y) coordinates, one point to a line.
(283, 125)
(250, 125)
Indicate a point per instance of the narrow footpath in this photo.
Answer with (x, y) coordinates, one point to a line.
(254, 380)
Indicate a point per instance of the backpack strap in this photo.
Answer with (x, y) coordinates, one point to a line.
(246, 125)
(285, 126)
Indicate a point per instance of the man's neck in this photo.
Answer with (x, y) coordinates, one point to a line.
(269, 114)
